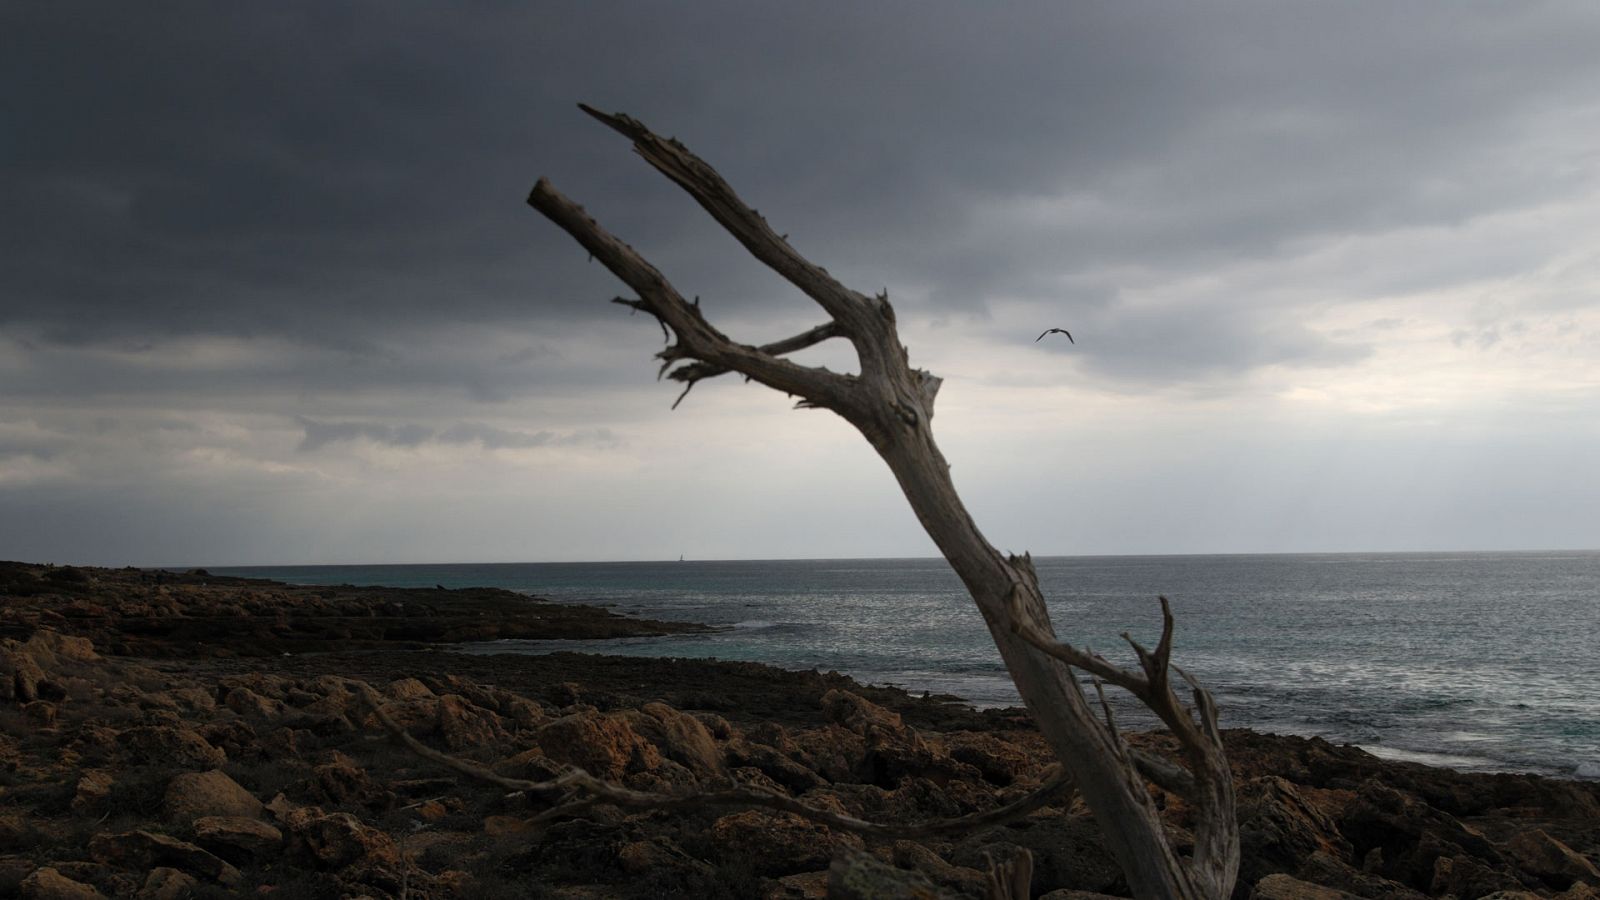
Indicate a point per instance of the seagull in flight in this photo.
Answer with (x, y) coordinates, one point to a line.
(1055, 331)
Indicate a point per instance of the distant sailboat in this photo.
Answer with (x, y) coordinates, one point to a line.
(680, 557)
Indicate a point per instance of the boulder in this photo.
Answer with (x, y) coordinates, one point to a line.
(20, 674)
(464, 725)
(48, 884)
(1282, 887)
(1558, 865)
(999, 762)
(193, 795)
(144, 850)
(53, 647)
(602, 745)
(894, 751)
(408, 689)
(861, 876)
(1405, 838)
(176, 745)
(777, 843)
(40, 713)
(1328, 871)
(165, 883)
(771, 763)
(682, 739)
(1464, 876)
(94, 788)
(238, 838)
(252, 705)
(333, 841)
(341, 780)
(1279, 827)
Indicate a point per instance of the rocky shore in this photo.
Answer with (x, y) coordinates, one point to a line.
(168, 736)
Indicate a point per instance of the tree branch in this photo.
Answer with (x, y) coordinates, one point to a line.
(808, 338)
(746, 225)
(696, 338)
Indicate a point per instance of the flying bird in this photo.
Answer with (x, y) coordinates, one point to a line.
(1055, 331)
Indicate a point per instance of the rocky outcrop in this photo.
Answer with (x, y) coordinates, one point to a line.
(164, 768)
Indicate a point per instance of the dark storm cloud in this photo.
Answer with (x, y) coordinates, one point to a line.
(327, 172)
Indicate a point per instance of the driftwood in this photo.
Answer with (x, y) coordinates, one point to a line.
(891, 404)
(575, 790)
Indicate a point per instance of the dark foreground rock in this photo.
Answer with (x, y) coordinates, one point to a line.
(220, 777)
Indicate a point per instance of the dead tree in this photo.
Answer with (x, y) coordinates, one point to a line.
(891, 404)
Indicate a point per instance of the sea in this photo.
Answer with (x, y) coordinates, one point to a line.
(1472, 661)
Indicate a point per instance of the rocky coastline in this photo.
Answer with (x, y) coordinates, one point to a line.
(169, 735)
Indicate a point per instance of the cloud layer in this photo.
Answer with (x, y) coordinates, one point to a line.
(270, 266)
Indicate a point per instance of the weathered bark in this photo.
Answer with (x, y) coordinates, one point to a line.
(891, 404)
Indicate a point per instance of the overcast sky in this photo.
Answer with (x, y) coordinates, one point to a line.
(269, 292)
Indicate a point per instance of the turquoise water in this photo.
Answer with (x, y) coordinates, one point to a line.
(1478, 661)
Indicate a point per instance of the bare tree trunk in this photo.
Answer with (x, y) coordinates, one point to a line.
(892, 405)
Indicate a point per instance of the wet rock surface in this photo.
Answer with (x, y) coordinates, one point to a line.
(218, 774)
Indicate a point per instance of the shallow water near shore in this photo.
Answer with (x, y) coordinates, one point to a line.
(1474, 661)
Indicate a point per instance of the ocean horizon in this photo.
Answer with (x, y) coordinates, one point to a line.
(1473, 660)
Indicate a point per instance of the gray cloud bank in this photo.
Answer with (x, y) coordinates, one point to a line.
(297, 229)
(321, 434)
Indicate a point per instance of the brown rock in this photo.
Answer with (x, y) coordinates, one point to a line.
(171, 745)
(53, 646)
(1328, 871)
(48, 884)
(12, 870)
(340, 780)
(860, 876)
(524, 712)
(778, 843)
(658, 856)
(1555, 863)
(1283, 887)
(1279, 827)
(144, 850)
(604, 746)
(959, 880)
(236, 837)
(682, 739)
(40, 713)
(894, 750)
(165, 883)
(858, 714)
(333, 841)
(772, 764)
(418, 717)
(20, 674)
(1000, 762)
(408, 689)
(252, 705)
(463, 725)
(94, 787)
(1405, 838)
(193, 698)
(805, 886)
(193, 795)
(494, 826)
(1465, 876)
